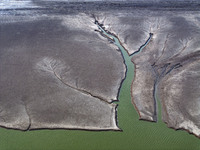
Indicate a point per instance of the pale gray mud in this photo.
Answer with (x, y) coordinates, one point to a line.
(168, 67)
(57, 72)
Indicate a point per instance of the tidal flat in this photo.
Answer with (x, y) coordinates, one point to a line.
(167, 67)
(58, 71)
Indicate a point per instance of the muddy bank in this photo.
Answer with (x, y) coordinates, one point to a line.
(159, 67)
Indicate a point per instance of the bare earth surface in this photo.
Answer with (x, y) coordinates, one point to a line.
(167, 69)
(57, 72)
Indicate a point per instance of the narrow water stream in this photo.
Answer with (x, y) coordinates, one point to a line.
(115, 40)
(130, 67)
(139, 135)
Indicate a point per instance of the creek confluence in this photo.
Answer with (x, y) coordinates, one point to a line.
(130, 66)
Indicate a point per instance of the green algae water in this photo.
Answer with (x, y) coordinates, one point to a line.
(136, 135)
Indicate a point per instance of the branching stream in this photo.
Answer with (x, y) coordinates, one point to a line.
(130, 66)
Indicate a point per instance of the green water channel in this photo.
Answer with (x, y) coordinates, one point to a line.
(136, 135)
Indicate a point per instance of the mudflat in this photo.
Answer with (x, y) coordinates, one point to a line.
(166, 69)
(58, 72)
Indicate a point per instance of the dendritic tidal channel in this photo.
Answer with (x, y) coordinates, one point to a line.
(71, 74)
(130, 66)
(150, 112)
